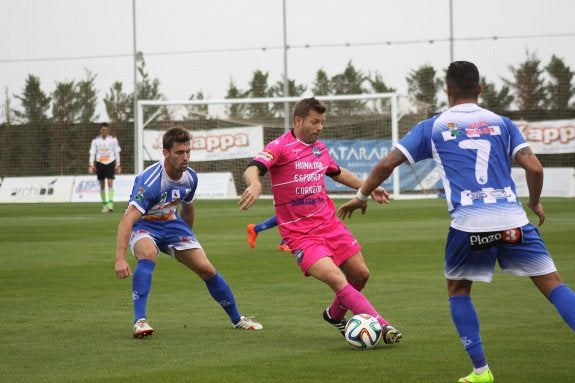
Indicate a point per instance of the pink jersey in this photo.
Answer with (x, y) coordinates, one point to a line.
(297, 173)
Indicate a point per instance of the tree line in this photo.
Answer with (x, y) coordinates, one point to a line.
(535, 88)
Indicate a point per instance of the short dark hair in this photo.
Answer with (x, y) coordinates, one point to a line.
(303, 107)
(173, 135)
(104, 124)
(463, 79)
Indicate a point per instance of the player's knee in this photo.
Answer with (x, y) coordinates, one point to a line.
(361, 277)
(150, 254)
(358, 275)
(145, 248)
(206, 272)
(456, 287)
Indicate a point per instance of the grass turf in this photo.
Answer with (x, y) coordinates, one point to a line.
(66, 318)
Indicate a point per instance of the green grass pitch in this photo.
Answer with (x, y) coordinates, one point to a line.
(65, 317)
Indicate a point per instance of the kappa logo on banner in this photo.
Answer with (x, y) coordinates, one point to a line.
(211, 145)
(482, 241)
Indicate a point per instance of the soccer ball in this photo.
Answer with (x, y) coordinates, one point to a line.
(363, 331)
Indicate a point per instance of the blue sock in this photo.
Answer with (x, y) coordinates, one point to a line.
(467, 324)
(267, 224)
(141, 285)
(221, 292)
(563, 298)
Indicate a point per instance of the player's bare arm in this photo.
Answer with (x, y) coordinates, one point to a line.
(349, 179)
(253, 188)
(534, 178)
(379, 173)
(188, 212)
(382, 170)
(124, 232)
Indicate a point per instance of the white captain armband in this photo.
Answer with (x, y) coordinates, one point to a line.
(360, 196)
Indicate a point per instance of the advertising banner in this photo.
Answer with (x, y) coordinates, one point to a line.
(36, 189)
(558, 182)
(359, 156)
(210, 185)
(87, 188)
(549, 137)
(216, 185)
(210, 145)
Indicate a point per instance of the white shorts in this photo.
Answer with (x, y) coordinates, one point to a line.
(167, 235)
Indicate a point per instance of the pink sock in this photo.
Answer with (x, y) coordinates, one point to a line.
(357, 303)
(337, 310)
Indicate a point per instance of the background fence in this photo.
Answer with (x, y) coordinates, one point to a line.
(62, 149)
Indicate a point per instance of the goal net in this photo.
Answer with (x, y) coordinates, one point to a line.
(227, 133)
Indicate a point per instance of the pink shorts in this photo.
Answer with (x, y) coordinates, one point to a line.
(337, 243)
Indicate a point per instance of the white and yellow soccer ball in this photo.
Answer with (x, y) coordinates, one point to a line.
(363, 331)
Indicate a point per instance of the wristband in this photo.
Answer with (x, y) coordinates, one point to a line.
(361, 197)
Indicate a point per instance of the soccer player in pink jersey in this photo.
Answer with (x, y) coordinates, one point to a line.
(321, 244)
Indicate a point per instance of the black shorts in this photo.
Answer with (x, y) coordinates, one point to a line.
(105, 171)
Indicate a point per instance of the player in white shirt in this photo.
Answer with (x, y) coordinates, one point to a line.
(105, 162)
(472, 148)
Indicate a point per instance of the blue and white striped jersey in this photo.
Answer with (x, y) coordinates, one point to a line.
(472, 147)
(157, 196)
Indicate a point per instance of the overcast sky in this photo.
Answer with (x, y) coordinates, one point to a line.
(202, 45)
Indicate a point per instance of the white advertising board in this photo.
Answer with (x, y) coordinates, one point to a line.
(87, 188)
(36, 189)
(216, 185)
(549, 137)
(558, 182)
(211, 145)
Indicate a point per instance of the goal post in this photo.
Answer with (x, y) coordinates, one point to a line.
(227, 133)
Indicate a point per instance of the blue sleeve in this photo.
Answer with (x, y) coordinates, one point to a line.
(417, 142)
(193, 187)
(515, 136)
(141, 195)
